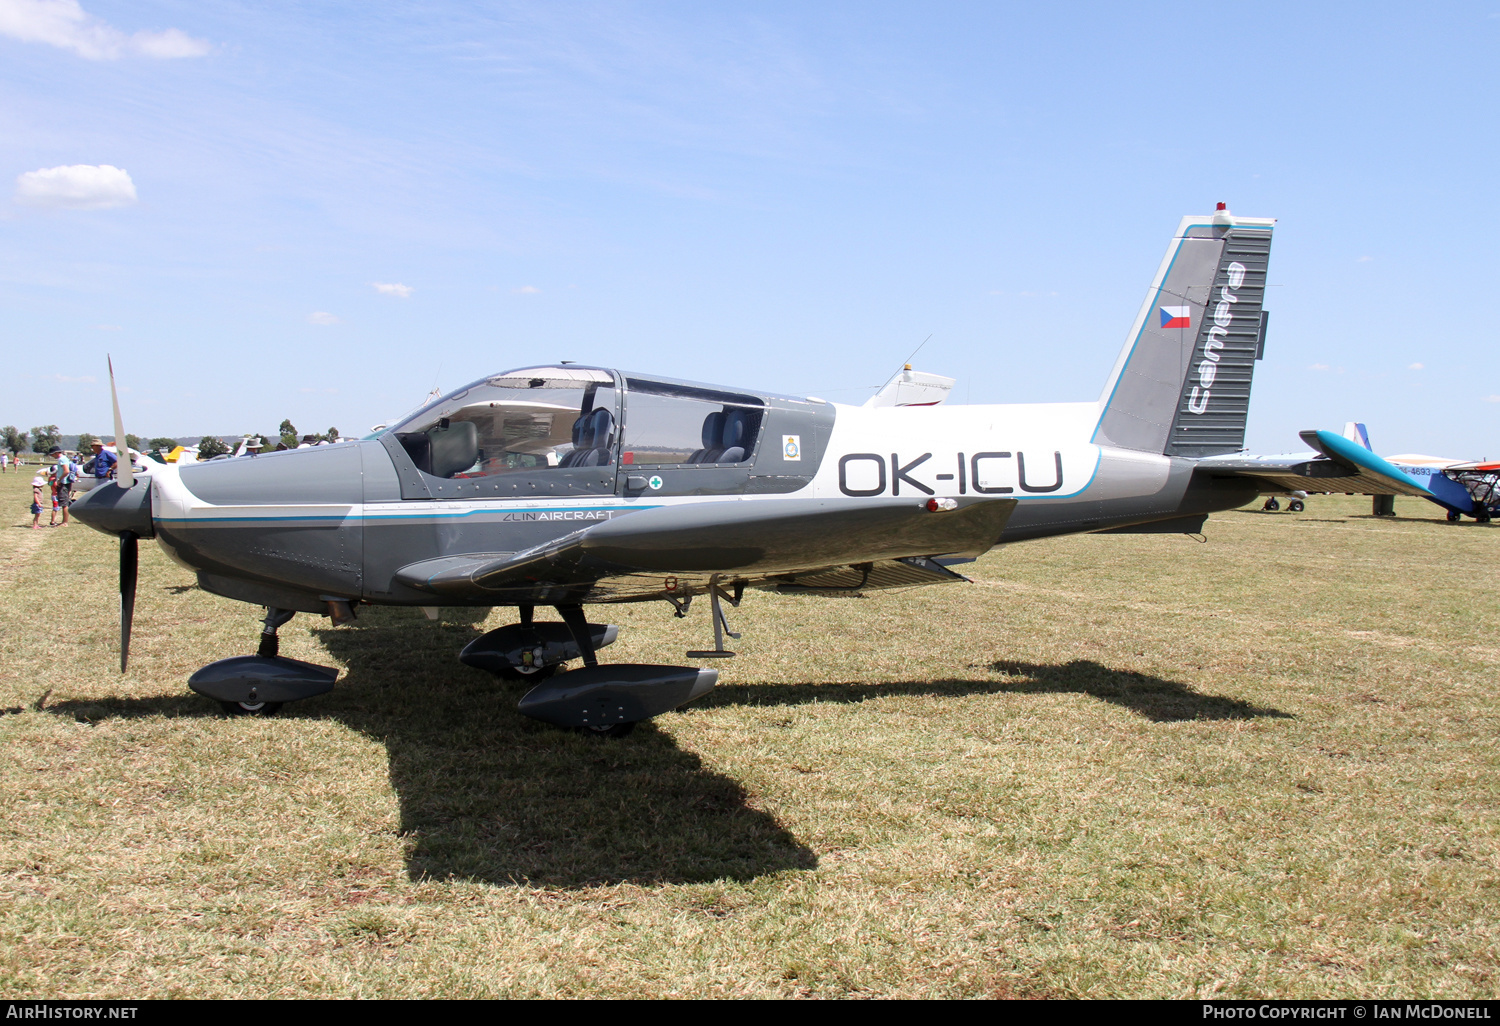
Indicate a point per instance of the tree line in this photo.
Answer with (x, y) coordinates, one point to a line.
(45, 438)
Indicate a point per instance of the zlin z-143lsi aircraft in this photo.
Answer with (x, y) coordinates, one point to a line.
(567, 485)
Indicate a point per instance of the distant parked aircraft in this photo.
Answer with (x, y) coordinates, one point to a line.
(1346, 463)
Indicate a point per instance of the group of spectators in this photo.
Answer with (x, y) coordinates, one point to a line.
(58, 481)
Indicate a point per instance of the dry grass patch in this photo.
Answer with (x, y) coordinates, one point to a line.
(1113, 766)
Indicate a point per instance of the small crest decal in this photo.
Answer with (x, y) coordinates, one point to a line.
(791, 447)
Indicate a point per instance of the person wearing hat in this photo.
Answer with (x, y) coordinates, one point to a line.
(37, 484)
(64, 476)
(103, 463)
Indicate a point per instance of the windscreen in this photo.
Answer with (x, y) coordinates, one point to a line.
(528, 420)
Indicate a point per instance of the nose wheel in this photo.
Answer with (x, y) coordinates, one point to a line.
(261, 684)
(250, 708)
(616, 730)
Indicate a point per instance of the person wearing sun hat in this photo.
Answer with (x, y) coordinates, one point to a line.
(37, 484)
(103, 463)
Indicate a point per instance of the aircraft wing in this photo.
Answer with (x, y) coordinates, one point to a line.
(1338, 465)
(821, 544)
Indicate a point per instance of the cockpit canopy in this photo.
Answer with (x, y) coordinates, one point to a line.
(541, 418)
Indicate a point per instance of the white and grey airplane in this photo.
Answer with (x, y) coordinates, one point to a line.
(569, 485)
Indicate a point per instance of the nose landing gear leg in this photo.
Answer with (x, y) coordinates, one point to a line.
(270, 644)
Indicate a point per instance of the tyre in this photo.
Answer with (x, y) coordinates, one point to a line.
(613, 730)
(250, 708)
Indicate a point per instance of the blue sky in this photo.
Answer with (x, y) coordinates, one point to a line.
(781, 195)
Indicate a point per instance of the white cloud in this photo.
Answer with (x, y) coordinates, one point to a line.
(106, 327)
(528, 290)
(321, 317)
(76, 186)
(1414, 366)
(1364, 260)
(393, 289)
(169, 44)
(1492, 398)
(1318, 366)
(64, 24)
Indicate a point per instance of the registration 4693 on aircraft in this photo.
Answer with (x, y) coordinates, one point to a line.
(567, 486)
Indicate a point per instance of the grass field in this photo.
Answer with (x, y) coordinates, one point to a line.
(1114, 766)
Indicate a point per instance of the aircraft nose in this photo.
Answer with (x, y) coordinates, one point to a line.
(112, 509)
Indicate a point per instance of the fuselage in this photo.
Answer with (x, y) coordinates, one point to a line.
(298, 528)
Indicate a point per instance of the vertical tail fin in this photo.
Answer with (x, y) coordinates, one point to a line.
(1357, 434)
(912, 388)
(1182, 383)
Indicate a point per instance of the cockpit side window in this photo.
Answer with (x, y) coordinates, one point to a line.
(515, 423)
(678, 425)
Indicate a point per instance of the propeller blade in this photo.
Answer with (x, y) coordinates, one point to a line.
(128, 562)
(124, 469)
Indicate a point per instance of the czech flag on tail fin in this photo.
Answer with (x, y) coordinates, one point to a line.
(1176, 316)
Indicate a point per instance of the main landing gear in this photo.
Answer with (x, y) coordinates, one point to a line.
(261, 684)
(602, 700)
(1272, 505)
(607, 701)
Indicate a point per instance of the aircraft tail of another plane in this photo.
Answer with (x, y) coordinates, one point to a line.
(912, 388)
(1181, 385)
(1357, 434)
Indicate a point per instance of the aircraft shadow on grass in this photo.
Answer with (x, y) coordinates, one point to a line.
(489, 795)
(1162, 701)
(1155, 698)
